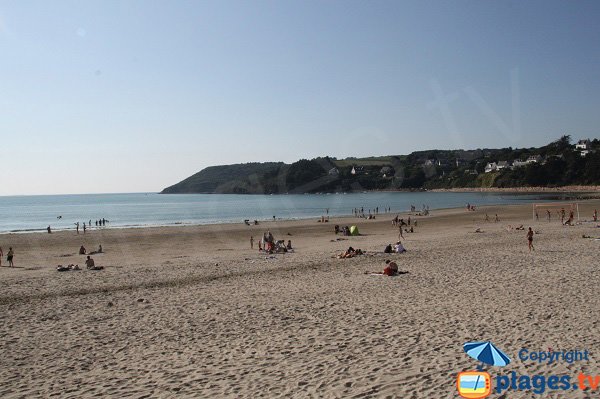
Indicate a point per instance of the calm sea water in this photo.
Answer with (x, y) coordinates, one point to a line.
(35, 213)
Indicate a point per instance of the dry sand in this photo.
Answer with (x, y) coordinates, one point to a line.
(193, 312)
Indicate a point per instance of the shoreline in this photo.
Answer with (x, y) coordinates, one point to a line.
(533, 190)
(572, 190)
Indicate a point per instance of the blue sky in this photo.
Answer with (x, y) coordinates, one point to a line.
(130, 96)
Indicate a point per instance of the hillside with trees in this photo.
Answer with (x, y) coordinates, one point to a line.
(559, 163)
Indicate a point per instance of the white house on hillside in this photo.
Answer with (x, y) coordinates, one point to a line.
(502, 165)
(534, 159)
(491, 167)
(583, 144)
(584, 147)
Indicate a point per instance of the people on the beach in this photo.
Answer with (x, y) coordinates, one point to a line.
(77, 227)
(82, 250)
(1, 256)
(496, 219)
(90, 264)
(84, 228)
(289, 245)
(9, 257)
(530, 240)
(350, 253)
(251, 242)
(49, 229)
(388, 249)
(595, 216)
(399, 248)
(391, 269)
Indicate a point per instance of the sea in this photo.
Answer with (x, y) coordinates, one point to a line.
(22, 214)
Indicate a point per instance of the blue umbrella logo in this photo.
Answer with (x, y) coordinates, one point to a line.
(487, 353)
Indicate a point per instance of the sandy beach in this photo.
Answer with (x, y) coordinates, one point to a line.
(194, 312)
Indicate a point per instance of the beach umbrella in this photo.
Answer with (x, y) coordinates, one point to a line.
(487, 353)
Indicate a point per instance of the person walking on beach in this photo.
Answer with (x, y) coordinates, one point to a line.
(9, 257)
(49, 229)
(77, 227)
(595, 215)
(1, 256)
(84, 228)
(530, 239)
(251, 242)
(549, 215)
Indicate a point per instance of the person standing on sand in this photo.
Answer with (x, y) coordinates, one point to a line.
(77, 227)
(1, 256)
(251, 242)
(549, 215)
(530, 239)
(595, 215)
(9, 257)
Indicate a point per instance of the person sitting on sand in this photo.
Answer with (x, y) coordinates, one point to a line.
(91, 265)
(388, 249)
(399, 248)
(82, 250)
(289, 245)
(391, 268)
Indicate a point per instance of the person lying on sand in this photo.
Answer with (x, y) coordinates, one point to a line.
(61, 268)
(391, 269)
(350, 253)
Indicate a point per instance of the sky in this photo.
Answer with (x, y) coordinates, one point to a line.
(134, 96)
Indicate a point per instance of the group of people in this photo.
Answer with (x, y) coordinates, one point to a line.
(83, 251)
(9, 257)
(270, 245)
(350, 253)
(360, 212)
(89, 264)
(99, 223)
(397, 248)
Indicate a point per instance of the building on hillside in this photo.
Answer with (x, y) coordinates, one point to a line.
(444, 163)
(534, 159)
(460, 162)
(583, 144)
(517, 163)
(584, 147)
(491, 167)
(503, 165)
